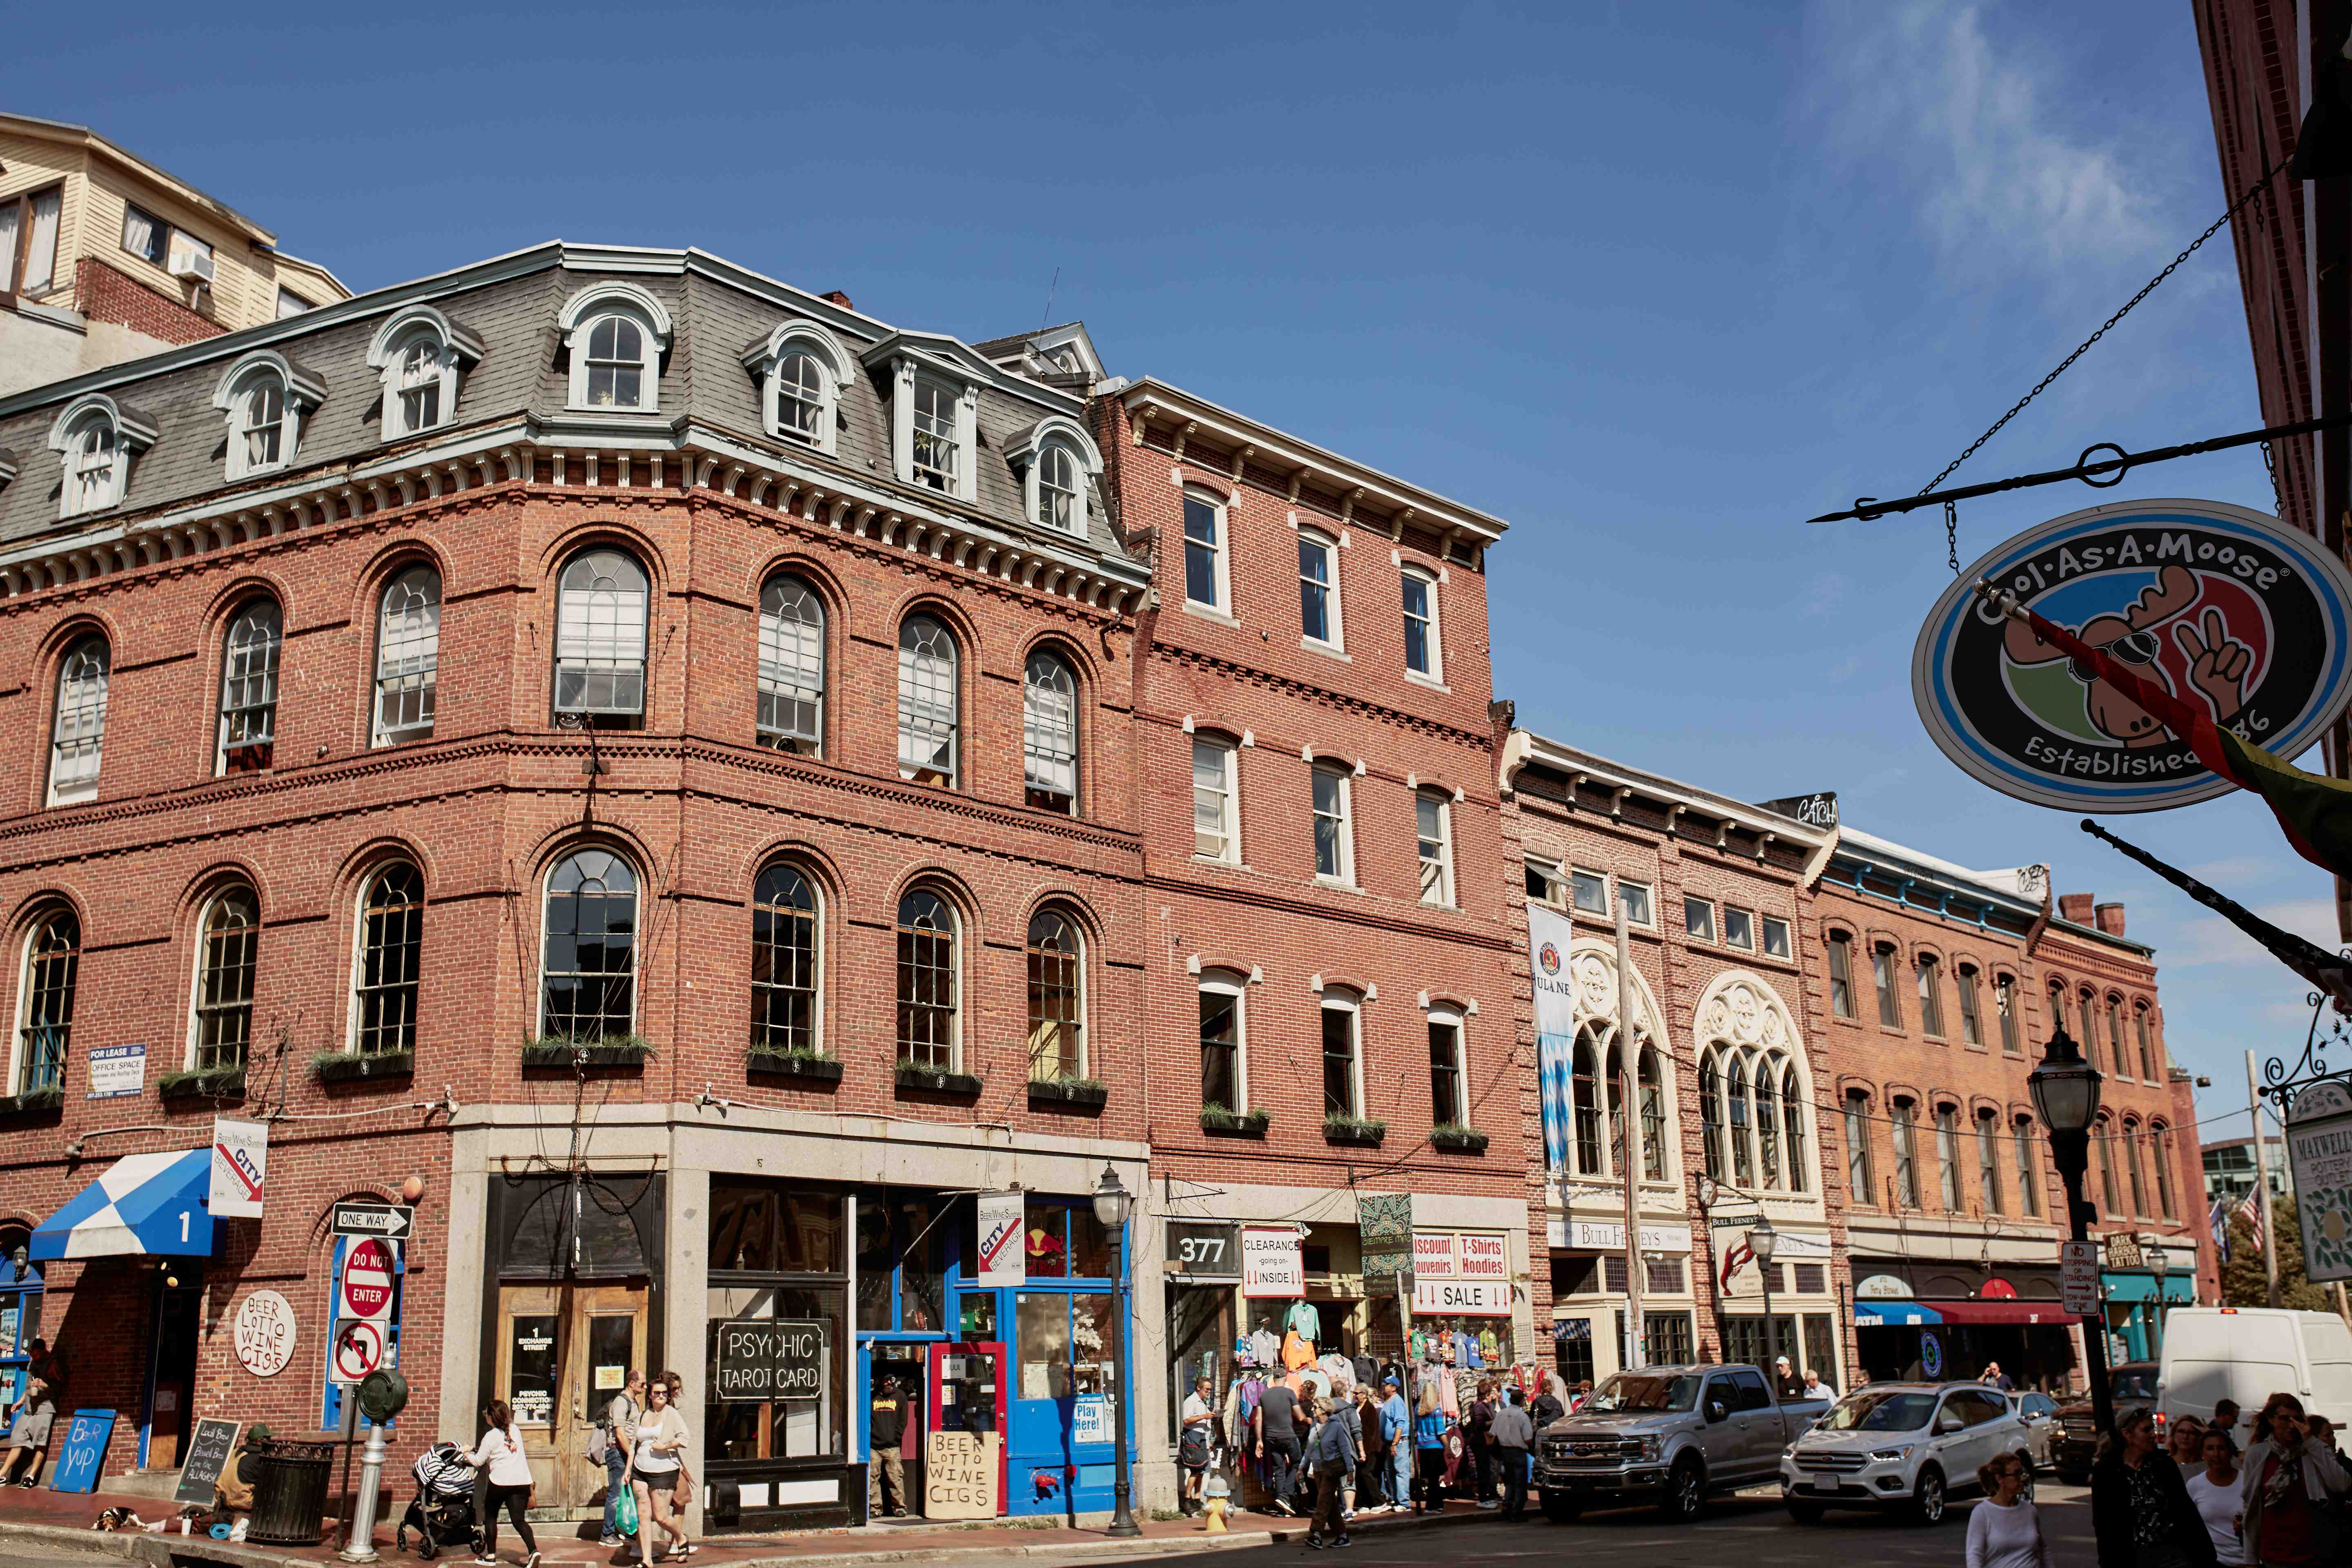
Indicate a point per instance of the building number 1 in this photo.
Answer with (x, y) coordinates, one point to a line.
(184, 1225)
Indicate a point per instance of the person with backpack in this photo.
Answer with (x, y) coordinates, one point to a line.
(616, 1433)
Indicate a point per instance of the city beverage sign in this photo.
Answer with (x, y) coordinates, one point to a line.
(2248, 620)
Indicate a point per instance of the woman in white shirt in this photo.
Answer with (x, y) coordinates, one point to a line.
(2003, 1530)
(2214, 1491)
(505, 1482)
(653, 1472)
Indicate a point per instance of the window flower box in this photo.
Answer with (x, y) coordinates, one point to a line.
(34, 1102)
(347, 1067)
(206, 1083)
(1219, 1123)
(936, 1081)
(1357, 1129)
(612, 1051)
(813, 1067)
(1456, 1139)
(1077, 1093)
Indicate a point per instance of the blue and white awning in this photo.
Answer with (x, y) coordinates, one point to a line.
(1881, 1314)
(145, 1205)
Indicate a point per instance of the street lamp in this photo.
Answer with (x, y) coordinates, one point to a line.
(1761, 1241)
(1113, 1204)
(2160, 1263)
(2066, 1097)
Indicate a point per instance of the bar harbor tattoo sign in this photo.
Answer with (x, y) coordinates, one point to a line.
(2225, 605)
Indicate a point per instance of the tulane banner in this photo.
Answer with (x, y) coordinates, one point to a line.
(1547, 934)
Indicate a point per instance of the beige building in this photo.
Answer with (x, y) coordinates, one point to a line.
(105, 258)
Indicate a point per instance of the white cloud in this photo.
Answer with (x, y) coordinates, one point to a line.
(1979, 130)
(2210, 939)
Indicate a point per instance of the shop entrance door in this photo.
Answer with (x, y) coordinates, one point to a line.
(170, 1387)
(967, 1395)
(564, 1351)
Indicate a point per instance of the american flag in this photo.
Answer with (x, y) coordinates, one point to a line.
(2217, 1221)
(2250, 1211)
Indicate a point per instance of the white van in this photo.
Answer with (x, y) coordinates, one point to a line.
(2248, 1353)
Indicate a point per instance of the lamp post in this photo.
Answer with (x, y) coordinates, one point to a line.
(2066, 1097)
(1761, 1241)
(1113, 1204)
(2160, 1263)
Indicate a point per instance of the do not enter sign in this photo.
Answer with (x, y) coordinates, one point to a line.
(358, 1350)
(367, 1280)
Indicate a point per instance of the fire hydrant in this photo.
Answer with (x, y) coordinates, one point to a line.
(1217, 1497)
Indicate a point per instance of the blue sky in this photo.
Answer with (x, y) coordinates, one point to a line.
(1656, 283)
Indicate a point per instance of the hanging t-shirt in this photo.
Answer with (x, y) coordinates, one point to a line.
(1267, 1344)
(1339, 1369)
(1367, 1372)
(1420, 1347)
(1297, 1351)
(1470, 1356)
(1489, 1347)
(1304, 1320)
(1246, 1351)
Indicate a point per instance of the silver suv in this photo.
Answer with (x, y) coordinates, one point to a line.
(1908, 1446)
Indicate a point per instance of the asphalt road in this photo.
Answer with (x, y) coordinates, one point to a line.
(20, 1556)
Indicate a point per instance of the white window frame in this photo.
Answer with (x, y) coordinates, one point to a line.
(1691, 901)
(904, 374)
(1444, 894)
(19, 1063)
(298, 393)
(1031, 730)
(276, 683)
(764, 360)
(598, 649)
(1337, 642)
(88, 717)
(636, 933)
(1229, 795)
(1227, 983)
(95, 415)
(1028, 453)
(449, 349)
(1219, 553)
(1336, 1000)
(1448, 1015)
(600, 302)
(784, 671)
(1764, 924)
(1607, 909)
(1343, 875)
(1435, 641)
(410, 661)
(913, 702)
(1649, 900)
(1747, 915)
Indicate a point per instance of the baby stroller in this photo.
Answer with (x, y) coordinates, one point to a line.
(443, 1513)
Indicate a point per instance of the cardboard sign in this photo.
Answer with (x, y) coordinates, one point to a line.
(209, 1447)
(240, 1159)
(82, 1456)
(2246, 620)
(1004, 1230)
(769, 1358)
(265, 1333)
(368, 1270)
(117, 1072)
(959, 1474)
(1274, 1262)
(359, 1349)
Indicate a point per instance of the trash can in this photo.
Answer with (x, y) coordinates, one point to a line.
(290, 1496)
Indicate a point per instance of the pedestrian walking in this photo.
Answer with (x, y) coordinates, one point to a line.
(617, 1430)
(2186, 1443)
(2004, 1530)
(504, 1481)
(1549, 1405)
(1429, 1448)
(1512, 1435)
(2140, 1511)
(1331, 1459)
(2284, 1488)
(2225, 1420)
(682, 1489)
(1372, 1469)
(1396, 1431)
(1277, 1444)
(28, 1445)
(653, 1469)
(1195, 1444)
(2214, 1490)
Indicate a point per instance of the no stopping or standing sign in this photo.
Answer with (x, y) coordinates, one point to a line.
(368, 1270)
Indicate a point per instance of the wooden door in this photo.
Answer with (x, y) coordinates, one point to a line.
(563, 1351)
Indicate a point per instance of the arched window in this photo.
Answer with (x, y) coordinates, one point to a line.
(1736, 1122)
(1056, 458)
(407, 656)
(785, 970)
(588, 987)
(1653, 1117)
(1059, 504)
(417, 390)
(1767, 1123)
(1057, 997)
(929, 967)
(1710, 1114)
(2086, 1009)
(802, 396)
(2159, 1138)
(1049, 733)
(2029, 1168)
(78, 732)
(1793, 1113)
(418, 354)
(259, 439)
(95, 439)
(1613, 1091)
(248, 709)
(391, 948)
(1318, 588)
(600, 639)
(1988, 1161)
(2116, 1036)
(2131, 1155)
(1905, 1132)
(93, 480)
(1587, 1091)
(616, 363)
(801, 369)
(928, 701)
(792, 666)
(2146, 1042)
(221, 1029)
(45, 1026)
(2103, 1135)
(615, 333)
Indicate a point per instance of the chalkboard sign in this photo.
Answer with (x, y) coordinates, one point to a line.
(769, 1358)
(83, 1453)
(209, 1447)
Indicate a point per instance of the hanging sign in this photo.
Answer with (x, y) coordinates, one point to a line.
(1882, 1288)
(1931, 1355)
(240, 1157)
(1205, 1248)
(769, 1359)
(1433, 1254)
(2224, 605)
(2319, 1159)
(1273, 1263)
(265, 1333)
(1003, 1231)
(1482, 1255)
(1548, 937)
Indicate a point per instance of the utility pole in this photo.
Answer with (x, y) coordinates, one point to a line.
(2269, 1238)
(1627, 1045)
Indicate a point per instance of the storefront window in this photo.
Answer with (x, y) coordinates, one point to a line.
(1090, 1336)
(762, 1229)
(1066, 1240)
(1666, 1338)
(807, 1421)
(1572, 1354)
(1045, 1346)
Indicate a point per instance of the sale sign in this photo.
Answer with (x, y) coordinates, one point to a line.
(368, 1270)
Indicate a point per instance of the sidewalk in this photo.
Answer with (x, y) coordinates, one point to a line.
(63, 1520)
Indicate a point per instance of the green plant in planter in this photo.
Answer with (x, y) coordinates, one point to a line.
(555, 1050)
(1354, 1129)
(35, 1100)
(1454, 1135)
(1215, 1118)
(194, 1081)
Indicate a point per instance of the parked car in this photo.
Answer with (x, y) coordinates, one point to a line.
(1900, 1446)
(2040, 1414)
(2075, 1443)
(2248, 1353)
(1669, 1435)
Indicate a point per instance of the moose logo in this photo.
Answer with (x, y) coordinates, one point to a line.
(2224, 607)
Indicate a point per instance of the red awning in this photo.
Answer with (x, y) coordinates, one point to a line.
(2014, 1311)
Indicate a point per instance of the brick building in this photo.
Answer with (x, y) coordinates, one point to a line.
(1729, 1077)
(1940, 988)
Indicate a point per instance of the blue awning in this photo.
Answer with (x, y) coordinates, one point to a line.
(145, 1205)
(1893, 1314)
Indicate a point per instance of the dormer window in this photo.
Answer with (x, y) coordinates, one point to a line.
(266, 398)
(617, 333)
(1057, 488)
(95, 439)
(801, 368)
(938, 452)
(419, 354)
(1056, 457)
(934, 410)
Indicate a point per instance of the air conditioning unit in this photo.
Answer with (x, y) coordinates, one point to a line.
(192, 263)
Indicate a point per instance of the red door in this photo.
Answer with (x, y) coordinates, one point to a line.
(968, 1395)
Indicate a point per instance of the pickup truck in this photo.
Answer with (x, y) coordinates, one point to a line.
(1673, 1435)
(2131, 1386)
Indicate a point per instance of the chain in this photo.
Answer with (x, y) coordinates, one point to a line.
(1952, 536)
(2270, 466)
(2252, 191)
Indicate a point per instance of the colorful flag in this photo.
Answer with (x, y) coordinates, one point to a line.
(2250, 1211)
(2217, 1221)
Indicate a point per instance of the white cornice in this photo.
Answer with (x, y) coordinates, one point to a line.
(1551, 754)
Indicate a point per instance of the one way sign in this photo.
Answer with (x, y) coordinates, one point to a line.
(385, 1222)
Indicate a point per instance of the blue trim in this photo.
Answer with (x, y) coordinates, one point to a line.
(330, 1403)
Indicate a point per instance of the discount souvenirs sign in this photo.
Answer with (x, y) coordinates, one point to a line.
(2246, 622)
